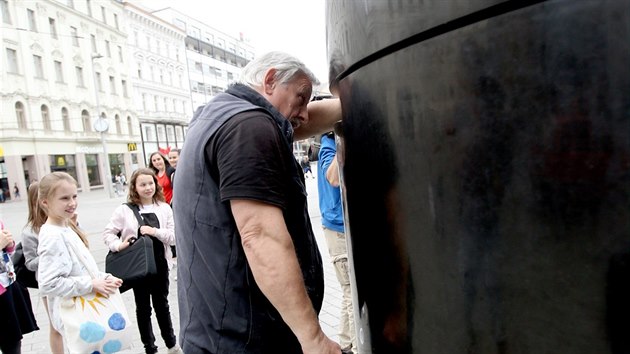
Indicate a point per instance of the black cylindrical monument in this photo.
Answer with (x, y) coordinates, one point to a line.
(486, 173)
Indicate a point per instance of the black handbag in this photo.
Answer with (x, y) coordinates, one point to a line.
(25, 276)
(135, 262)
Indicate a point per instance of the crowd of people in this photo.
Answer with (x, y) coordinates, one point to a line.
(250, 273)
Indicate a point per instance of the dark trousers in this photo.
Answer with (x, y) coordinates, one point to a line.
(154, 288)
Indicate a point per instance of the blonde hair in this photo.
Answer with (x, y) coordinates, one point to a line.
(47, 188)
(36, 214)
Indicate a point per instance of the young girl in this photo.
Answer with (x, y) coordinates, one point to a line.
(61, 274)
(164, 171)
(16, 313)
(30, 241)
(146, 194)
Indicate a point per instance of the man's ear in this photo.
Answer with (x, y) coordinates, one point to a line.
(270, 81)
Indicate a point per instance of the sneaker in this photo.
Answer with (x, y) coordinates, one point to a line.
(175, 350)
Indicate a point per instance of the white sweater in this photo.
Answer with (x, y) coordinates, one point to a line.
(61, 274)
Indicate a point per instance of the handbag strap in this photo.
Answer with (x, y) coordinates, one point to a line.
(136, 212)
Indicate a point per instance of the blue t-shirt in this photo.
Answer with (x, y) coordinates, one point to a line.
(329, 196)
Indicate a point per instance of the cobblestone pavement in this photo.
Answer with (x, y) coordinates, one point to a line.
(94, 211)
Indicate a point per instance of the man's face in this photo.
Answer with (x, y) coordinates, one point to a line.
(290, 99)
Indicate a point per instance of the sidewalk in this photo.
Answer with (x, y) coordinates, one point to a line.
(94, 211)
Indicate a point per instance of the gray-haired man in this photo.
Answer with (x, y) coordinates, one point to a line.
(250, 273)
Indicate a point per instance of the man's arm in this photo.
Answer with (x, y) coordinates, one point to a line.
(322, 115)
(271, 256)
(332, 173)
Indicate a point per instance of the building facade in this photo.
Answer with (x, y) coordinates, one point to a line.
(214, 58)
(64, 63)
(159, 78)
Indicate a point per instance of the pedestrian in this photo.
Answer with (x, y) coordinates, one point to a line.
(16, 191)
(332, 221)
(146, 194)
(164, 172)
(30, 241)
(16, 312)
(250, 275)
(61, 274)
(173, 156)
(117, 185)
(306, 167)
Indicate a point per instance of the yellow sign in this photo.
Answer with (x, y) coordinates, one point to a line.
(1, 151)
(132, 147)
(61, 161)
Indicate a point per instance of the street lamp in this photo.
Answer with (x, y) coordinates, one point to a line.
(101, 125)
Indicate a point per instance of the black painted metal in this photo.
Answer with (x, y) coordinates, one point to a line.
(486, 176)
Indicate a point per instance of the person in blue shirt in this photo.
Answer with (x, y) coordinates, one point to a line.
(332, 222)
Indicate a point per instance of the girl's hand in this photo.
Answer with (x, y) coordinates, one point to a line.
(6, 239)
(148, 230)
(126, 243)
(104, 286)
(117, 281)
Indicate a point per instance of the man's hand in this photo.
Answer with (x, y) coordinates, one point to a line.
(321, 345)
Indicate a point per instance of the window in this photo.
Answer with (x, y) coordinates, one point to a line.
(230, 76)
(93, 41)
(198, 66)
(117, 121)
(120, 54)
(71, 4)
(177, 54)
(165, 104)
(12, 65)
(39, 66)
(85, 119)
(79, 73)
(139, 71)
(98, 83)
(59, 71)
(6, 16)
(161, 76)
(148, 43)
(155, 103)
(20, 115)
(112, 85)
(116, 21)
(158, 46)
(53, 28)
(181, 83)
(124, 87)
(103, 15)
(108, 50)
(170, 78)
(45, 117)
(75, 36)
(88, 4)
(32, 21)
(129, 126)
(144, 101)
(152, 73)
(66, 119)
(135, 38)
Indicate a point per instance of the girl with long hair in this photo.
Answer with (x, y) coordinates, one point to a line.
(145, 194)
(61, 274)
